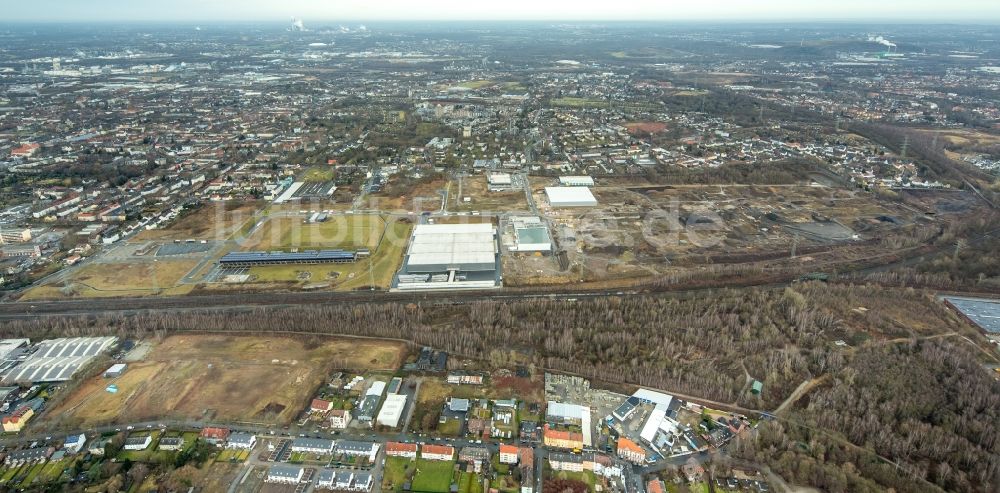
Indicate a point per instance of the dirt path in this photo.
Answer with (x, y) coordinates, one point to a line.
(800, 391)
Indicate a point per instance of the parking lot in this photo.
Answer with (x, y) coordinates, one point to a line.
(219, 273)
(184, 248)
(314, 190)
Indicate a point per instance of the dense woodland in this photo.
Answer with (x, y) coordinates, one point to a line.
(929, 404)
(927, 407)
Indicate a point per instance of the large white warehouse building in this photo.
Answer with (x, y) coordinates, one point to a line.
(450, 256)
(570, 197)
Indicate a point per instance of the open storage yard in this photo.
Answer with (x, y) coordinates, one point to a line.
(224, 378)
(482, 199)
(641, 230)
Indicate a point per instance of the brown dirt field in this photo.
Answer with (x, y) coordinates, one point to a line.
(218, 476)
(213, 221)
(645, 127)
(424, 196)
(224, 378)
(965, 137)
(482, 199)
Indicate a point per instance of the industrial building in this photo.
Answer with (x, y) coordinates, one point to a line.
(530, 235)
(983, 312)
(661, 424)
(56, 360)
(499, 181)
(576, 181)
(250, 259)
(450, 256)
(10, 348)
(570, 197)
(392, 410)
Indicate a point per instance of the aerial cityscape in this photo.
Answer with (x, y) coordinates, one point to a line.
(428, 248)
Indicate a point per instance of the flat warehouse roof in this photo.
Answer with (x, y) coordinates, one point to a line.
(429, 229)
(570, 195)
(984, 312)
(539, 234)
(452, 245)
(458, 259)
(58, 359)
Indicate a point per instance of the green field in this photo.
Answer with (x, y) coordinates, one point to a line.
(53, 470)
(339, 231)
(476, 84)
(384, 263)
(317, 174)
(513, 87)
(32, 473)
(394, 473)
(587, 477)
(433, 476)
(469, 483)
(8, 474)
(450, 428)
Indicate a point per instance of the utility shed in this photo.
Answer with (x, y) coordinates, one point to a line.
(756, 387)
(115, 371)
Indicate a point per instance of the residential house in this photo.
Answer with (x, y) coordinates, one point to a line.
(362, 481)
(508, 454)
(399, 449)
(358, 449)
(655, 486)
(74, 443)
(692, 470)
(15, 421)
(565, 462)
(631, 451)
(215, 436)
(138, 442)
(29, 456)
(281, 473)
(436, 452)
(458, 405)
(320, 406)
(561, 439)
(96, 447)
(313, 445)
(477, 426)
(476, 457)
(340, 419)
(529, 430)
(326, 479)
(170, 443)
(527, 466)
(240, 440)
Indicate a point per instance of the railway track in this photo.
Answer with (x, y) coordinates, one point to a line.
(250, 301)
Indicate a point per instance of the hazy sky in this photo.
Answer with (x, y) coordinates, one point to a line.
(375, 10)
